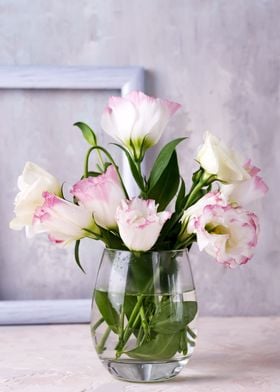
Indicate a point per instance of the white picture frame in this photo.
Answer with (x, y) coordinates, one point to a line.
(125, 79)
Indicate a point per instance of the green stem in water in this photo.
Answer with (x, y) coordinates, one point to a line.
(125, 336)
(101, 345)
(191, 332)
(122, 320)
(132, 320)
(144, 321)
(97, 324)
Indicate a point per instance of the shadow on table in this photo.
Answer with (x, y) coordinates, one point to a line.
(198, 378)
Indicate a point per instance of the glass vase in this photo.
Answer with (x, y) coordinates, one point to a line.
(143, 314)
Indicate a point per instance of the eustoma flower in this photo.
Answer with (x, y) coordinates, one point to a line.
(244, 192)
(101, 195)
(196, 210)
(228, 234)
(63, 221)
(217, 159)
(140, 223)
(32, 183)
(137, 120)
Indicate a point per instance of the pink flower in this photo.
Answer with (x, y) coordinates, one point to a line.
(245, 192)
(101, 195)
(137, 120)
(228, 234)
(63, 221)
(140, 223)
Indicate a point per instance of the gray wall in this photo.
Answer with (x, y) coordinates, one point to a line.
(220, 59)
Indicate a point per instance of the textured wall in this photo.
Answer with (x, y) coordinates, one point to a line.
(220, 59)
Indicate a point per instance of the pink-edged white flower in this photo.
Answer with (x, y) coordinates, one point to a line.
(217, 159)
(32, 183)
(196, 210)
(62, 221)
(226, 233)
(137, 120)
(140, 223)
(101, 195)
(247, 191)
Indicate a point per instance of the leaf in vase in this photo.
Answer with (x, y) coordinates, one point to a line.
(105, 307)
(161, 347)
(173, 317)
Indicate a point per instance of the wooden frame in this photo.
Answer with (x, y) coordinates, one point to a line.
(124, 79)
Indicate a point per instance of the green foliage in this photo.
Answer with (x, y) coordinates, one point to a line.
(169, 233)
(180, 196)
(167, 185)
(133, 167)
(77, 257)
(87, 132)
(168, 331)
(105, 307)
(160, 348)
(172, 317)
(140, 273)
(162, 161)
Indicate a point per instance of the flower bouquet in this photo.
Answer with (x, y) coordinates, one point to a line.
(144, 305)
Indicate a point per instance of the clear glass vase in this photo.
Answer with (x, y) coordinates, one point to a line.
(143, 314)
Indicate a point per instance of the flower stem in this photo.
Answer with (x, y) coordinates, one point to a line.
(100, 346)
(97, 324)
(191, 332)
(144, 321)
(205, 179)
(132, 320)
(109, 156)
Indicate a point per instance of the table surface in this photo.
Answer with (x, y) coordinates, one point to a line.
(232, 355)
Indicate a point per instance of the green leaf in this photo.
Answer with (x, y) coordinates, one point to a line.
(180, 196)
(140, 273)
(162, 161)
(105, 307)
(184, 343)
(136, 175)
(173, 317)
(169, 233)
(197, 175)
(167, 185)
(159, 348)
(130, 302)
(77, 257)
(87, 132)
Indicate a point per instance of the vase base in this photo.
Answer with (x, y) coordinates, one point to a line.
(136, 371)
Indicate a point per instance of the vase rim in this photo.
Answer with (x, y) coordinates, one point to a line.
(148, 251)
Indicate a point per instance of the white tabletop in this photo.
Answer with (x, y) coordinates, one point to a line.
(232, 355)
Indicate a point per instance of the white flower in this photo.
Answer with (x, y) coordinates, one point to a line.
(217, 159)
(245, 192)
(137, 120)
(32, 183)
(101, 195)
(140, 223)
(62, 221)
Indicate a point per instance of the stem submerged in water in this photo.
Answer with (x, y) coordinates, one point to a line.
(101, 346)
